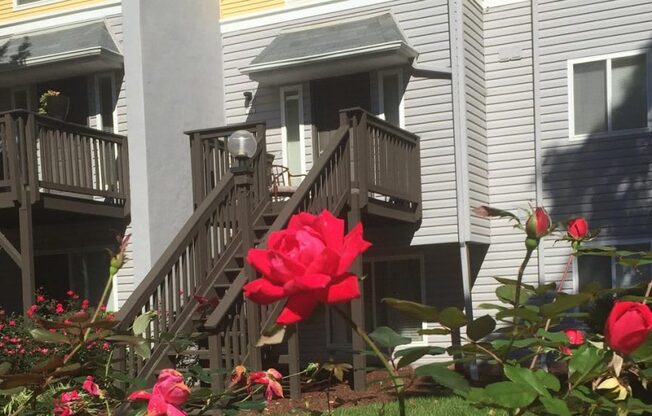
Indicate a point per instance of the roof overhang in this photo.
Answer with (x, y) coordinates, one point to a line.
(61, 53)
(325, 51)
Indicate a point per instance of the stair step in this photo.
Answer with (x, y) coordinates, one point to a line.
(232, 271)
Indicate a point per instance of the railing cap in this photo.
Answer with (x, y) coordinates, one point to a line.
(226, 129)
(383, 123)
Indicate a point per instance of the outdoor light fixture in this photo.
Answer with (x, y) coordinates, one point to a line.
(241, 144)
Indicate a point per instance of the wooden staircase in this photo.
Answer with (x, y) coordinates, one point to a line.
(356, 174)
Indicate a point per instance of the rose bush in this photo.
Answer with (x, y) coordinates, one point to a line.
(307, 263)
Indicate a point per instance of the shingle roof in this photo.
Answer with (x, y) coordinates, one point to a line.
(30, 47)
(332, 38)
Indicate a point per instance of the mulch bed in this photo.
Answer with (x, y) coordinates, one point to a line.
(379, 390)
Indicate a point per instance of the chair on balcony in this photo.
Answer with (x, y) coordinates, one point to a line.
(283, 183)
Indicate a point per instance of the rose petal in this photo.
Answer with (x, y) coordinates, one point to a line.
(284, 268)
(301, 220)
(331, 229)
(139, 395)
(353, 246)
(345, 290)
(298, 308)
(326, 263)
(263, 292)
(306, 282)
(172, 410)
(273, 389)
(258, 258)
(157, 406)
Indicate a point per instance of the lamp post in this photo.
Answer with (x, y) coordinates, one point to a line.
(242, 145)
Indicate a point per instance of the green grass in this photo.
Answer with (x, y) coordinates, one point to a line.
(419, 406)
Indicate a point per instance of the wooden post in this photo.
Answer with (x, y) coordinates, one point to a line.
(26, 250)
(357, 305)
(243, 181)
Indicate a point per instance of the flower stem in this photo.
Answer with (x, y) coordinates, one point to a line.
(517, 294)
(396, 379)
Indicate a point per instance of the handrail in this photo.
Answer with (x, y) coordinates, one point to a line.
(58, 156)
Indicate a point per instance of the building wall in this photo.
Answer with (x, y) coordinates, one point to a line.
(11, 13)
(230, 8)
(428, 108)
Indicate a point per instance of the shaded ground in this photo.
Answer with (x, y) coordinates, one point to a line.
(341, 395)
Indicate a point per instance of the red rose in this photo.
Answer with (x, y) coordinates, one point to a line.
(537, 224)
(578, 228)
(307, 263)
(628, 326)
(575, 336)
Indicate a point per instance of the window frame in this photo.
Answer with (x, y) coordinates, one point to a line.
(27, 89)
(99, 120)
(401, 93)
(30, 5)
(298, 88)
(608, 59)
(607, 242)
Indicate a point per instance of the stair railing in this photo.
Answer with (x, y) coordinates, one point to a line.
(197, 255)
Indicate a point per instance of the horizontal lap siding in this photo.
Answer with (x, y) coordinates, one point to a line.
(427, 102)
(510, 138)
(229, 8)
(8, 14)
(476, 128)
(606, 180)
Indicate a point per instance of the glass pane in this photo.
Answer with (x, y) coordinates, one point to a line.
(628, 93)
(387, 274)
(89, 274)
(20, 100)
(594, 269)
(391, 99)
(21, 2)
(292, 128)
(627, 276)
(590, 96)
(106, 103)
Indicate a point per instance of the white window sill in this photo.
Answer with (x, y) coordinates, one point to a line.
(622, 134)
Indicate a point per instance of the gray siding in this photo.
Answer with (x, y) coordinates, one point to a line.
(476, 122)
(427, 102)
(605, 179)
(510, 130)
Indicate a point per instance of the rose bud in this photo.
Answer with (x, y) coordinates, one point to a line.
(578, 229)
(627, 326)
(536, 226)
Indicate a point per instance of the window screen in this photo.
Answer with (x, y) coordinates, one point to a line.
(293, 132)
(105, 87)
(391, 98)
(590, 96)
(628, 92)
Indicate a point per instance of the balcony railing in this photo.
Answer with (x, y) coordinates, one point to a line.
(59, 158)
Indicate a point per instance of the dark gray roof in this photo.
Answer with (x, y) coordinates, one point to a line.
(328, 39)
(30, 47)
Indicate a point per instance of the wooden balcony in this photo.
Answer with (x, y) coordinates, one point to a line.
(61, 166)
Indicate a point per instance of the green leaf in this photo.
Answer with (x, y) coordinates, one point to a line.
(523, 313)
(586, 363)
(442, 375)
(129, 339)
(257, 405)
(558, 337)
(50, 364)
(480, 327)
(491, 306)
(513, 282)
(563, 303)
(526, 377)
(550, 381)
(143, 350)
(434, 331)
(452, 318)
(410, 355)
(142, 322)
(43, 335)
(555, 406)
(414, 310)
(507, 294)
(510, 395)
(486, 211)
(388, 338)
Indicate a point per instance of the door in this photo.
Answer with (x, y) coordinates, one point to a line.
(76, 89)
(329, 96)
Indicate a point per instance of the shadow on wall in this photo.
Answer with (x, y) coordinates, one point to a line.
(606, 175)
(14, 54)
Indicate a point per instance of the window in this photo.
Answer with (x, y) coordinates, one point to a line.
(609, 274)
(390, 96)
(19, 3)
(609, 95)
(105, 100)
(292, 129)
(20, 98)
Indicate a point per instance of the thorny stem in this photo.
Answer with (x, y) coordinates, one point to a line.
(486, 351)
(647, 292)
(561, 285)
(396, 380)
(517, 294)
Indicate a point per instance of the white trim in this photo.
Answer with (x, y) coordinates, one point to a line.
(298, 89)
(18, 7)
(65, 17)
(495, 3)
(99, 121)
(401, 92)
(608, 59)
(286, 14)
